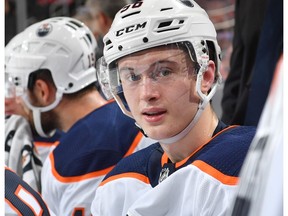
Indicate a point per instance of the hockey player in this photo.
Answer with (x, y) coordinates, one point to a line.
(54, 66)
(163, 64)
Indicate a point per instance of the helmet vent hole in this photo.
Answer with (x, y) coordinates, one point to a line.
(164, 24)
(89, 37)
(120, 47)
(71, 26)
(131, 14)
(145, 40)
(164, 9)
(170, 25)
(170, 29)
(108, 42)
(76, 23)
(187, 3)
(70, 85)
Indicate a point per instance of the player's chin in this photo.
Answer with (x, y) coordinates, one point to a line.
(157, 132)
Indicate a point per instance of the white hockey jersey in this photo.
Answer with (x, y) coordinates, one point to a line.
(148, 183)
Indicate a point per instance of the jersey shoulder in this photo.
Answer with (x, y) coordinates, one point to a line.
(227, 150)
(97, 142)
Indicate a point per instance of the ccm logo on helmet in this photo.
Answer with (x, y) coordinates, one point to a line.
(130, 29)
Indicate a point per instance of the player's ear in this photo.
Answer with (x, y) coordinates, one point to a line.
(44, 92)
(208, 77)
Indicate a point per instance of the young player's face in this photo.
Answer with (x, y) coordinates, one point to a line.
(159, 86)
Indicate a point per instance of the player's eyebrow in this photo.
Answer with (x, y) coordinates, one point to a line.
(162, 61)
(126, 69)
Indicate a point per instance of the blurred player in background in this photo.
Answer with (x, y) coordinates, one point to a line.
(54, 64)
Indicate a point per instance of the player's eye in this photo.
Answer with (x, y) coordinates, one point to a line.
(164, 72)
(134, 77)
(128, 75)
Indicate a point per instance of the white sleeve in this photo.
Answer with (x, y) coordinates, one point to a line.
(188, 191)
(115, 197)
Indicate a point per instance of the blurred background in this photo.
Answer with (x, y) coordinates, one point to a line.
(21, 13)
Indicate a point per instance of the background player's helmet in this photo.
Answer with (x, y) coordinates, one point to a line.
(149, 23)
(62, 45)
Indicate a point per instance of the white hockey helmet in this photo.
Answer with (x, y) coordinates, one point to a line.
(149, 23)
(62, 45)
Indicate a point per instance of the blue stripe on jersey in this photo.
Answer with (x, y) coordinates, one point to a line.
(225, 152)
(96, 142)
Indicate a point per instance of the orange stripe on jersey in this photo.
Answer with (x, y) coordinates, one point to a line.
(56, 143)
(78, 211)
(180, 163)
(134, 144)
(12, 206)
(76, 178)
(164, 159)
(225, 179)
(46, 144)
(8, 168)
(138, 176)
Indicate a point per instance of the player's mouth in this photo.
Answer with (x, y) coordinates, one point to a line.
(153, 115)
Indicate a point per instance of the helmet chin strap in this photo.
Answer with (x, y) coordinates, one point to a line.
(37, 124)
(38, 110)
(202, 104)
